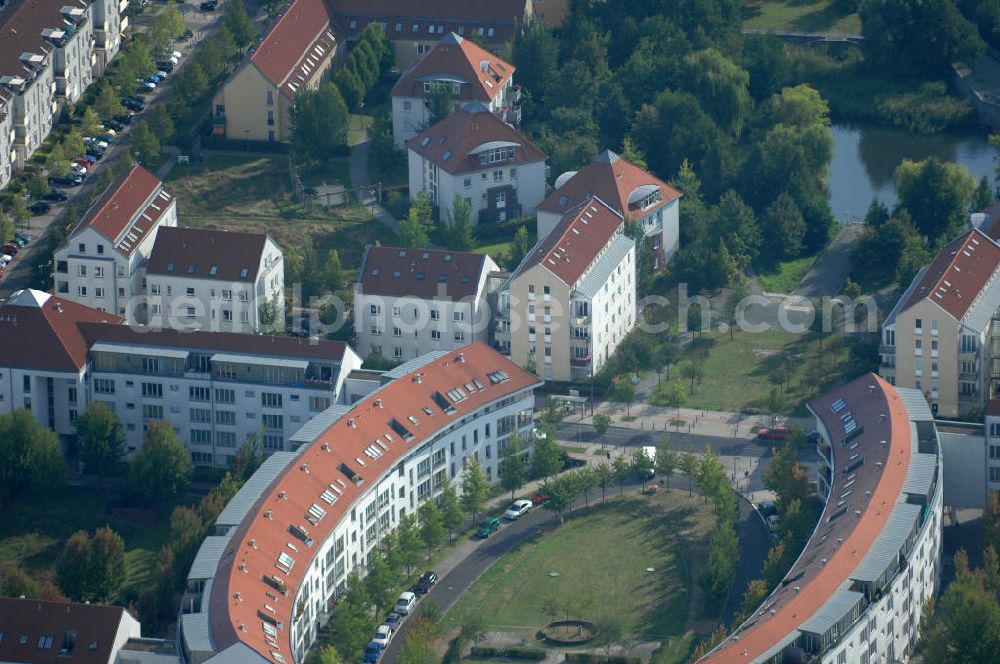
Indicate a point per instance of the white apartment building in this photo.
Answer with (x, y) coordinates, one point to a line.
(474, 154)
(409, 302)
(632, 192)
(102, 262)
(284, 545)
(470, 72)
(215, 389)
(214, 280)
(50, 52)
(858, 589)
(572, 299)
(939, 337)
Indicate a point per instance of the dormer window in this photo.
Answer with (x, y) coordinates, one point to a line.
(496, 155)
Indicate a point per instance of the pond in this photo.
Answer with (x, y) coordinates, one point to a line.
(865, 156)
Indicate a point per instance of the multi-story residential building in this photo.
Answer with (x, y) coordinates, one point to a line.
(857, 592)
(409, 302)
(552, 12)
(475, 155)
(102, 262)
(471, 74)
(633, 192)
(215, 280)
(939, 337)
(50, 52)
(284, 545)
(294, 55)
(215, 388)
(413, 28)
(572, 299)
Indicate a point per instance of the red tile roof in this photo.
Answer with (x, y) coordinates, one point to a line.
(576, 241)
(459, 16)
(296, 46)
(93, 624)
(423, 273)
(613, 180)
(131, 205)
(454, 144)
(878, 410)
(41, 331)
(958, 274)
(453, 58)
(229, 252)
(238, 595)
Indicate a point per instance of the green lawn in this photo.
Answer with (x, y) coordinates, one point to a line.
(356, 128)
(32, 535)
(600, 560)
(255, 194)
(785, 276)
(799, 16)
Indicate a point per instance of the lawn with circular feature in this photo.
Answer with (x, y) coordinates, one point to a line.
(597, 565)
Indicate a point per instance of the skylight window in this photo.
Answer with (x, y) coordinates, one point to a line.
(397, 274)
(191, 268)
(244, 273)
(401, 429)
(442, 277)
(212, 271)
(426, 140)
(402, 253)
(375, 271)
(447, 155)
(170, 266)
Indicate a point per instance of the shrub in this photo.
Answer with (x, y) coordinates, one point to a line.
(510, 653)
(597, 658)
(504, 229)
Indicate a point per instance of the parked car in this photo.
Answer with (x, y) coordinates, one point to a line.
(165, 65)
(10, 248)
(383, 635)
(146, 86)
(69, 180)
(91, 141)
(56, 196)
(209, 5)
(405, 603)
(539, 499)
(113, 124)
(77, 169)
(175, 54)
(84, 160)
(775, 433)
(425, 583)
(125, 118)
(517, 509)
(186, 35)
(1, 272)
(162, 74)
(107, 138)
(773, 523)
(767, 508)
(40, 207)
(22, 238)
(19, 242)
(394, 620)
(372, 652)
(488, 526)
(132, 105)
(4, 259)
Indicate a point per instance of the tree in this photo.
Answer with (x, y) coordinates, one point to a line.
(414, 230)
(90, 123)
(440, 103)
(92, 568)
(56, 163)
(688, 463)
(547, 459)
(192, 82)
(455, 229)
(243, 29)
(897, 34)
(30, 461)
(19, 211)
(473, 627)
(519, 247)
(666, 458)
(36, 186)
(536, 56)
(721, 86)
(693, 372)
(723, 557)
(248, 458)
(936, 194)
(268, 314)
(161, 123)
(783, 227)
(350, 623)
(333, 272)
(632, 154)
(324, 655)
(753, 597)
(410, 544)
(101, 438)
(320, 120)
(561, 492)
(624, 391)
(432, 529)
(965, 628)
(161, 471)
(474, 486)
(609, 631)
(604, 475)
(513, 467)
(602, 423)
(107, 104)
(621, 469)
(380, 581)
(144, 143)
(643, 466)
(991, 520)
(451, 508)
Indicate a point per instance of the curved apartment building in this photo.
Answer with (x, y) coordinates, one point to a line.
(856, 592)
(260, 588)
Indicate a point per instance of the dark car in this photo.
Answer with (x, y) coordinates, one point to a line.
(186, 35)
(22, 238)
(132, 104)
(67, 181)
(394, 620)
(124, 119)
(489, 526)
(113, 124)
(10, 248)
(372, 652)
(165, 65)
(40, 207)
(209, 5)
(424, 584)
(56, 196)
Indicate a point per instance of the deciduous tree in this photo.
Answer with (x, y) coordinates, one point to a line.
(101, 439)
(432, 530)
(513, 467)
(474, 486)
(161, 471)
(30, 461)
(414, 230)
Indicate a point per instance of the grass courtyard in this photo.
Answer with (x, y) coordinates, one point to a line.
(800, 16)
(254, 194)
(600, 558)
(32, 535)
(785, 276)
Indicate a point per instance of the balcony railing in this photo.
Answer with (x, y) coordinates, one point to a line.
(582, 361)
(886, 350)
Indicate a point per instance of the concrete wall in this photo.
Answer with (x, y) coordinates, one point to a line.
(964, 470)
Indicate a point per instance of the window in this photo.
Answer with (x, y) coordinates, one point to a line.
(227, 315)
(201, 415)
(270, 117)
(152, 412)
(270, 399)
(199, 394)
(498, 176)
(968, 344)
(435, 334)
(151, 365)
(272, 421)
(459, 336)
(225, 439)
(63, 286)
(317, 404)
(81, 291)
(225, 395)
(435, 314)
(227, 417)
(104, 386)
(467, 183)
(270, 98)
(201, 457)
(99, 271)
(918, 325)
(201, 437)
(397, 352)
(153, 390)
(995, 429)
(273, 442)
(994, 474)
(62, 267)
(154, 289)
(918, 347)
(396, 332)
(375, 310)
(407, 105)
(459, 316)
(82, 247)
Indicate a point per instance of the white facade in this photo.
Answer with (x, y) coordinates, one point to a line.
(488, 189)
(35, 109)
(89, 268)
(8, 156)
(411, 115)
(181, 301)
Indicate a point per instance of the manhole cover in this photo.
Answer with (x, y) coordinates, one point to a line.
(553, 573)
(650, 569)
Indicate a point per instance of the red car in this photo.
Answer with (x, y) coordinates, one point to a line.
(538, 498)
(10, 248)
(779, 433)
(83, 161)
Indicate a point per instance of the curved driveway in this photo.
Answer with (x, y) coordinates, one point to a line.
(753, 551)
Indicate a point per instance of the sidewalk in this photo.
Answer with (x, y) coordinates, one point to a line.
(687, 420)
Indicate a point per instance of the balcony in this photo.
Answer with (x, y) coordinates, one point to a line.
(971, 377)
(581, 320)
(886, 350)
(582, 361)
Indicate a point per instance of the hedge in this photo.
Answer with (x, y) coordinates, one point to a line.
(595, 658)
(505, 229)
(510, 653)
